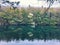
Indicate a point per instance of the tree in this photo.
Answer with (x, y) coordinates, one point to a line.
(13, 4)
(51, 2)
(18, 2)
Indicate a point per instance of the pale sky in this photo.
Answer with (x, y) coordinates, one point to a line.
(35, 3)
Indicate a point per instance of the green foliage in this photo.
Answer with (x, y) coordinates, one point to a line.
(27, 32)
(24, 16)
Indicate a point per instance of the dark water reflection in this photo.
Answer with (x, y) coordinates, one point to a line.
(29, 35)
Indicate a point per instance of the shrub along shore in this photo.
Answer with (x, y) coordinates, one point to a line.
(31, 16)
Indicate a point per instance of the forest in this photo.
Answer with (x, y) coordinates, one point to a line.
(30, 15)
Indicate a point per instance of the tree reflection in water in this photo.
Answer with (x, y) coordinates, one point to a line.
(29, 33)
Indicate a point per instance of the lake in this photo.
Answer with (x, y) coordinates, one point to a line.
(30, 35)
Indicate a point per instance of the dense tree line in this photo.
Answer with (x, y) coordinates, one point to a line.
(30, 16)
(27, 32)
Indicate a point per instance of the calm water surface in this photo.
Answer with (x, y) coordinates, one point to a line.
(30, 35)
(35, 42)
